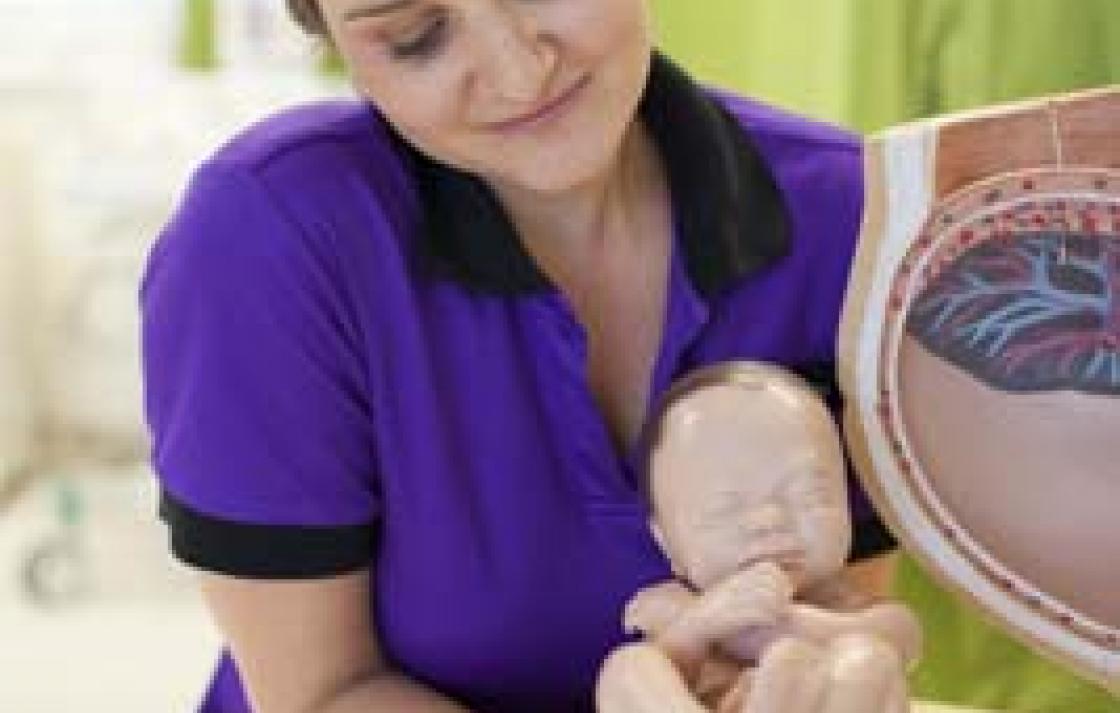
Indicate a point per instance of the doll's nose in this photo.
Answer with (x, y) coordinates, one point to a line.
(766, 519)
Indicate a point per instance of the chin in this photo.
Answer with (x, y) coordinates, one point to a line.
(557, 170)
(566, 161)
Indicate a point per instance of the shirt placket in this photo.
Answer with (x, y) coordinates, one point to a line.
(605, 479)
(686, 315)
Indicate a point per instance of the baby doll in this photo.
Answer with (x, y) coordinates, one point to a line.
(746, 481)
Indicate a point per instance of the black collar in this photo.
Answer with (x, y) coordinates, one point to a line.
(731, 213)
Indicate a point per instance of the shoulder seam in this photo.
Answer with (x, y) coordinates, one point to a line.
(248, 149)
(851, 145)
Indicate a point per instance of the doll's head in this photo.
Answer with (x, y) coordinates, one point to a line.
(745, 465)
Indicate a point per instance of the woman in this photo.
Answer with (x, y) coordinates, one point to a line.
(398, 352)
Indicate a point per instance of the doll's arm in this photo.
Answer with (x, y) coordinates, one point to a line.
(653, 608)
(890, 622)
(685, 624)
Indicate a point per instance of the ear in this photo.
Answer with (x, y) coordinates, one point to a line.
(658, 535)
(659, 538)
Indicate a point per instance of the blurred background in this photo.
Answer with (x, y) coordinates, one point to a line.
(105, 107)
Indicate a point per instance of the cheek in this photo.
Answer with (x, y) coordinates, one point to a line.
(599, 28)
(827, 536)
(426, 113)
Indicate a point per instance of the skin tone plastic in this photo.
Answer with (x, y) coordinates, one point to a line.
(746, 480)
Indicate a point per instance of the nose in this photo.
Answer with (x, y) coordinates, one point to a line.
(519, 57)
(769, 518)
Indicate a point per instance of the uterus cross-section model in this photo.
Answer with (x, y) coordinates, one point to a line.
(980, 357)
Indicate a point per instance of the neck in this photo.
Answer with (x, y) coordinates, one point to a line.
(564, 229)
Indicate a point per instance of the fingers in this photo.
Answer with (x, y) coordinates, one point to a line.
(735, 696)
(651, 609)
(757, 596)
(717, 677)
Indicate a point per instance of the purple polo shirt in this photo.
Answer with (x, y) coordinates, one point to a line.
(350, 361)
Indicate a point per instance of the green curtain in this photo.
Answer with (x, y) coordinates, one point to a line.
(872, 63)
(914, 58)
(790, 52)
(197, 41)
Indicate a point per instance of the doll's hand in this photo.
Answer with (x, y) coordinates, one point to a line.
(758, 596)
(655, 607)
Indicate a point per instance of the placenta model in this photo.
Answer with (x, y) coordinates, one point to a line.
(745, 476)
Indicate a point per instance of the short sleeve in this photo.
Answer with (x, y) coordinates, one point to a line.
(254, 388)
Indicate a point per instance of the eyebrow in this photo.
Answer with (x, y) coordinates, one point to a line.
(376, 9)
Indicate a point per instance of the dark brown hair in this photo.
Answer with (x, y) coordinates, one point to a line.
(309, 16)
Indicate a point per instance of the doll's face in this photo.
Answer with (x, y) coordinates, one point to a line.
(743, 474)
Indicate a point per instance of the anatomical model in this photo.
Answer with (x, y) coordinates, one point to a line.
(746, 481)
(979, 360)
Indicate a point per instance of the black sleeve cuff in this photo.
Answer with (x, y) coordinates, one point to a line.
(870, 537)
(264, 551)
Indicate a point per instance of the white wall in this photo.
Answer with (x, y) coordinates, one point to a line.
(107, 131)
(16, 420)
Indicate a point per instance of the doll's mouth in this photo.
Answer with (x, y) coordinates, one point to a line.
(791, 560)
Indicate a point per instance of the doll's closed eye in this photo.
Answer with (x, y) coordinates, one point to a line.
(811, 490)
(721, 506)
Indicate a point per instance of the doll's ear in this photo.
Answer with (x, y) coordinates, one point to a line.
(658, 535)
(659, 538)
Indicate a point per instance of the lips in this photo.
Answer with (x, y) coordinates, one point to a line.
(784, 558)
(545, 112)
(778, 546)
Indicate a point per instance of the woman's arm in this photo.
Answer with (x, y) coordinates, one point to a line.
(309, 646)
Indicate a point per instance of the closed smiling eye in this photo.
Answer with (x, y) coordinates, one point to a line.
(425, 43)
(811, 491)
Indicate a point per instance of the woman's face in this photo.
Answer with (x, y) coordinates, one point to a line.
(457, 78)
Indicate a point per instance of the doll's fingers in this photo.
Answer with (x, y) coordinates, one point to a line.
(755, 597)
(735, 695)
(651, 609)
(718, 677)
(790, 678)
(864, 674)
(642, 614)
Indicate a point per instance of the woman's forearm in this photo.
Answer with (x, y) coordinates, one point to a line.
(389, 692)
